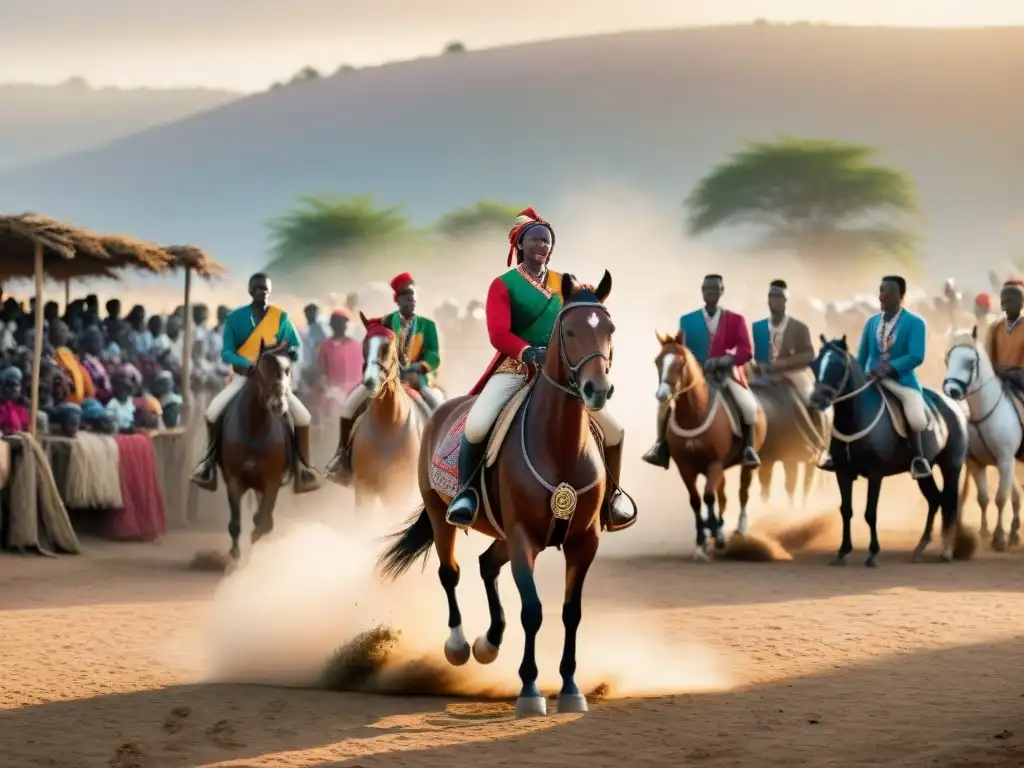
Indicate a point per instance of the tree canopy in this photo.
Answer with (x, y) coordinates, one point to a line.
(818, 198)
(472, 219)
(319, 224)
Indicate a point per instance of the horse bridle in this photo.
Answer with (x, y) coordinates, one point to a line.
(573, 371)
(971, 379)
(389, 371)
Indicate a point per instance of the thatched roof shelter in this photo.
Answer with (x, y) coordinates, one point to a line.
(194, 258)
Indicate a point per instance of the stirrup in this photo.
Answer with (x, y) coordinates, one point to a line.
(470, 513)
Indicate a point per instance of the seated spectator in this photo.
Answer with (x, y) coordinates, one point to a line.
(170, 404)
(70, 364)
(96, 419)
(121, 407)
(142, 337)
(68, 419)
(91, 347)
(14, 415)
(147, 413)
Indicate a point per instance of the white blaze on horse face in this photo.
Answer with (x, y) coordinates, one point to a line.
(593, 321)
(664, 388)
(825, 361)
(277, 400)
(371, 379)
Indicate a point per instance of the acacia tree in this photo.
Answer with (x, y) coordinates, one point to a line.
(472, 219)
(320, 224)
(823, 200)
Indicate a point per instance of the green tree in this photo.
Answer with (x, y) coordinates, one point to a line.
(320, 224)
(472, 219)
(824, 200)
(455, 47)
(305, 75)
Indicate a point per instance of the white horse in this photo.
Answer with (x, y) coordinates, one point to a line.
(994, 430)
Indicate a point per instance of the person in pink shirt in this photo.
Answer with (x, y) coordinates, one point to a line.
(340, 357)
(13, 413)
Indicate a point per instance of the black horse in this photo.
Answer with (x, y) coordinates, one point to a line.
(865, 444)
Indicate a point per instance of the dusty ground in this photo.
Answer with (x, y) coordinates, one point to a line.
(904, 665)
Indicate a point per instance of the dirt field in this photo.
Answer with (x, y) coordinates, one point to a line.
(109, 659)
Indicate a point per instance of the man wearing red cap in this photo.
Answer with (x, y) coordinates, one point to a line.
(1004, 341)
(522, 306)
(419, 356)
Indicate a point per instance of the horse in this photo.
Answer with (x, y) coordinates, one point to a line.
(255, 447)
(795, 438)
(385, 440)
(545, 487)
(868, 440)
(702, 439)
(994, 427)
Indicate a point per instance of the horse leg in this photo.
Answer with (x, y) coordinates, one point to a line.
(690, 481)
(746, 478)
(1006, 483)
(579, 554)
(871, 518)
(715, 476)
(979, 474)
(845, 480)
(764, 479)
(810, 475)
(723, 502)
(523, 553)
(263, 520)
(485, 647)
(456, 647)
(235, 524)
(1015, 525)
(931, 493)
(950, 508)
(792, 470)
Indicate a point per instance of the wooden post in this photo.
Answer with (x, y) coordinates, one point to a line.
(67, 294)
(186, 357)
(37, 351)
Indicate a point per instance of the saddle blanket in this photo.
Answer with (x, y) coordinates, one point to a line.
(444, 464)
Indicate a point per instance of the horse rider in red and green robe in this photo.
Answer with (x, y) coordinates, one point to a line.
(521, 310)
(245, 330)
(419, 355)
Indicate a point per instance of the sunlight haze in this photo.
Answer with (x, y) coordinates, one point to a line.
(247, 44)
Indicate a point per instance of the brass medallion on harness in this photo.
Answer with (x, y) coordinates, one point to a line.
(563, 501)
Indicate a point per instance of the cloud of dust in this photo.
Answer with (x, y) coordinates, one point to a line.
(311, 589)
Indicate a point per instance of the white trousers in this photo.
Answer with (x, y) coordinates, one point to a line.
(495, 396)
(745, 400)
(912, 402)
(296, 410)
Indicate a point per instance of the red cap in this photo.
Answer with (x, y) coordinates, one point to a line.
(983, 301)
(399, 283)
(342, 312)
(1014, 283)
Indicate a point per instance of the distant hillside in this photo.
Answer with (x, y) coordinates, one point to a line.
(653, 110)
(38, 122)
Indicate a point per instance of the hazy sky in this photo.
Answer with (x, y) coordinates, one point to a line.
(247, 44)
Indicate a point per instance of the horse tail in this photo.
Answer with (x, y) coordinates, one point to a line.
(409, 545)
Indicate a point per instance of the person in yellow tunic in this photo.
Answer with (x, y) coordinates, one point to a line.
(81, 382)
(244, 330)
(1004, 341)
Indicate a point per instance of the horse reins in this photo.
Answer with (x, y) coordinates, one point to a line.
(839, 398)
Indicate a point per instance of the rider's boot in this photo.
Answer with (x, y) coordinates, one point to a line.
(464, 507)
(306, 478)
(920, 468)
(205, 473)
(750, 457)
(658, 455)
(617, 511)
(339, 468)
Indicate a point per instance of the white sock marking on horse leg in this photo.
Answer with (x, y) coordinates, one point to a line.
(456, 647)
(741, 524)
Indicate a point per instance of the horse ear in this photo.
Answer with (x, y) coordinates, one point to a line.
(366, 323)
(680, 338)
(567, 287)
(824, 341)
(844, 339)
(604, 288)
(661, 337)
(974, 333)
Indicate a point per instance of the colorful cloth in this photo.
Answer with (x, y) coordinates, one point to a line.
(904, 346)
(417, 342)
(719, 336)
(14, 418)
(92, 411)
(123, 414)
(81, 383)
(341, 360)
(242, 335)
(98, 373)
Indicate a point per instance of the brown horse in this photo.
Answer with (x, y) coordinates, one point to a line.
(385, 441)
(700, 435)
(529, 493)
(255, 448)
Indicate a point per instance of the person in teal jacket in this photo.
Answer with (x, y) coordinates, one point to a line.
(892, 347)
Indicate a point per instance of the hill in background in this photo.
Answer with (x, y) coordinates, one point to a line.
(39, 122)
(652, 111)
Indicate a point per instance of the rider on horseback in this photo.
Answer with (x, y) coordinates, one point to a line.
(522, 306)
(419, 356)
(719, 339)
(782, 345)
(1004, 341)
(892, 346)
(248, 329)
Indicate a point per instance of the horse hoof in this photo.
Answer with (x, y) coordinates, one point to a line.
(918, 555)
(838, 560)
(999, 542)
(947, 555)
(572, 704)
(483, 651)
(456, 648)
(1014, 539)
(870, 562)
(531, 706)
(700, 556)
(720, 540)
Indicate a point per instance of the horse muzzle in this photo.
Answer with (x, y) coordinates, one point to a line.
(663, 393)
(595, 397)
(954, 389)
